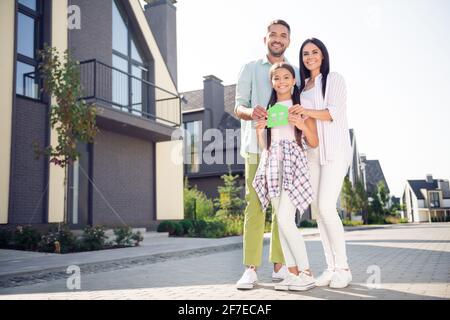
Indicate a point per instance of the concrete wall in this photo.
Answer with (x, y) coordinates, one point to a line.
(124, 173)
(59, 36)
(7, 18)
(169, 180)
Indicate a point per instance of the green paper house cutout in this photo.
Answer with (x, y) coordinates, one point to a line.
(277, 115)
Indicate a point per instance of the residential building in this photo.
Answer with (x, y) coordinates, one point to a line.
(426, 200)
(125, 177)
(212, 129)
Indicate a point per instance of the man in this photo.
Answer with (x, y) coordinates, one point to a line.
(252, 96)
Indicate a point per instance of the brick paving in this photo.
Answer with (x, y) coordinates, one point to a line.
(413, 260)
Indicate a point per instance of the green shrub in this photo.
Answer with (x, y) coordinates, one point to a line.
(166, 226)
(308, 224)
(373, 218)
(234, 225)
(186, 225)
(123, 236)
(351, 223)
(197, 227)
(404, 220)
(392, 220)
(26, 238)
(58, 240)
(196, 204)
(93, 238)
(6, 238)
(214, 229)
(137, 237)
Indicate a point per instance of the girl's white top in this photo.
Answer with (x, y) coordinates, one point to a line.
(286, 132)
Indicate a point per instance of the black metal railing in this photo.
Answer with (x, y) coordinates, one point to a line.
(129, 93)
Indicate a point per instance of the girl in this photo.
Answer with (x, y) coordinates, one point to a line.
(283, 175)
(323, 98)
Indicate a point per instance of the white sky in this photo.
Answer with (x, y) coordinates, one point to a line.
(394, 54)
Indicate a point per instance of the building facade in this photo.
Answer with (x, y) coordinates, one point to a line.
(426, 200)
(124, 177)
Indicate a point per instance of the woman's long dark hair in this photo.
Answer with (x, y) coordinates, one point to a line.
(324, 68)
(273, 100)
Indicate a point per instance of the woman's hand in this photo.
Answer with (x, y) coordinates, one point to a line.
(297, 120)
(298, 109)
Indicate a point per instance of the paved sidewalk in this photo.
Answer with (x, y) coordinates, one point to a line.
(413, 262)
(25, 265)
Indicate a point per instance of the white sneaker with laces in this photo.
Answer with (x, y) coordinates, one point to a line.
(281, 274)
(284, 284)
(248, 279)
(341, 279)
(325, 278)
(303, 282)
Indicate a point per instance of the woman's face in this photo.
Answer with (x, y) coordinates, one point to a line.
(282, 81)
(312, 57)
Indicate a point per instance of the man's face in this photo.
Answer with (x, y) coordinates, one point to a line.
(277, 40)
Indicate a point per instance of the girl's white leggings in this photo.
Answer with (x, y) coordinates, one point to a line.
(327, 182)
(291, 239)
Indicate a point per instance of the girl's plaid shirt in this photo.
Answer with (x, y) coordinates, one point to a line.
(296, 177)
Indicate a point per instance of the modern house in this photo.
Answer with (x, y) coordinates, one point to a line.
(426, 200)
(213, 131)
(128, 175)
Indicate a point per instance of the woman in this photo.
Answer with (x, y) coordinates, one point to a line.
(323, 97)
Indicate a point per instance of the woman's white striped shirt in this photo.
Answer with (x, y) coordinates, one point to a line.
(334, 136)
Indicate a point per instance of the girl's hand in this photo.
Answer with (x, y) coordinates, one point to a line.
(261, 125)
(297, 120)
(298, 110)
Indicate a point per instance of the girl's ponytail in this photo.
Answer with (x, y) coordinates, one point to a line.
(296, 100)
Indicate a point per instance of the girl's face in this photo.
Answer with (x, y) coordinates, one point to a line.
(312, 57)
(282, 81)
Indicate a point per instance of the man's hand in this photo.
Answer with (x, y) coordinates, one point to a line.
(259, 112)
(298, 110)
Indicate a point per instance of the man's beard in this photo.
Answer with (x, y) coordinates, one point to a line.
(277, 54)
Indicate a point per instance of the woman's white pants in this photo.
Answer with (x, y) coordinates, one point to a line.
(327, 182)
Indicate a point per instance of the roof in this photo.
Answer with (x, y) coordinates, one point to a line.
(193, 100)
(416, 185)
(374, 174)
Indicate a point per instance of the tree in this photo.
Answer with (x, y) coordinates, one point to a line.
(348, 198)
(71, 117)
(362, 202)
(383, 195)
(229, 202)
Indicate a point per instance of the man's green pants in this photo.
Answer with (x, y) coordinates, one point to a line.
(254, 222)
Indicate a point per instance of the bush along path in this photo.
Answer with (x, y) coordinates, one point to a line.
(60, 239)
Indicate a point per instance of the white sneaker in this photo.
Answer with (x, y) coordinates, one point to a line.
(281, 274)
(302, 282)
(341, 279)
(284, 284)
(248, 279)
(325, 278)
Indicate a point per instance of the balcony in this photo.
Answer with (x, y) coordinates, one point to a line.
(125, 100)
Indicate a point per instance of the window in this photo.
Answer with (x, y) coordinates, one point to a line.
(129, 92)
(192, 146)
(434, 199)
(29, 39)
